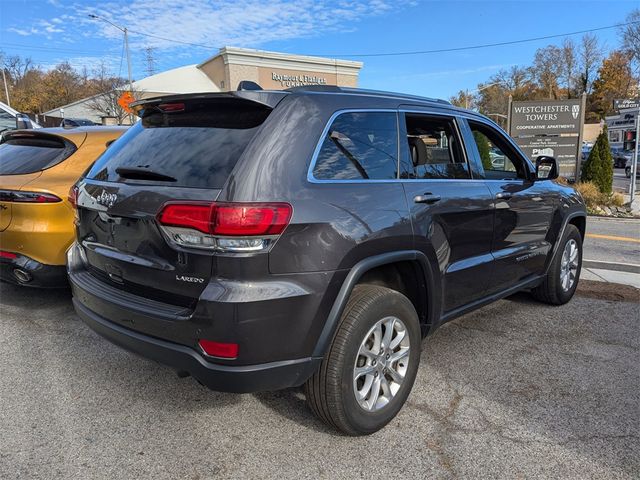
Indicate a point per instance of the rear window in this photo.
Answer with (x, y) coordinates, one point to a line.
(29, 153)
(191, 144)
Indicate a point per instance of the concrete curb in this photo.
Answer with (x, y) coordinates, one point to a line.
(617, 267)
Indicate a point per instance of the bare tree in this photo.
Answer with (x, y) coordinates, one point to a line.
(16, 66)
(107, 90)
(631, 36)
(547, 69)
(589, 56)
(569, 61)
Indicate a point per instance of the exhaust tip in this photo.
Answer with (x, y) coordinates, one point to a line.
(22, 275)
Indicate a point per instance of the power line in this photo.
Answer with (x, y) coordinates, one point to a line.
(484, 45)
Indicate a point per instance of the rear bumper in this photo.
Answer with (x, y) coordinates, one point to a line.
(224, 378)
(28, 272)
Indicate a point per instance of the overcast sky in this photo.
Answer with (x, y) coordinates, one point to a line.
(51, 31)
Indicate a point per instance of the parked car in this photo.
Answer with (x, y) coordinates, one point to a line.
(76, 122)
(629, 165)
(11, 119)
(37, 168)
(586, 150)
(259, 240)
(620, 157)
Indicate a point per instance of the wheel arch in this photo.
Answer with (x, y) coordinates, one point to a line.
(579, 220)
(387, 267)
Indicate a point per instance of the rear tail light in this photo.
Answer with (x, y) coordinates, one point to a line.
(73, 196)
(18, 196)
(231, 227)
(217, 349)
(9, 255)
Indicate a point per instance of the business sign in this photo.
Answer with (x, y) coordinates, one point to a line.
(545, 117)
(621, 104)
(550, 127)
(297, 80)
(563, 149)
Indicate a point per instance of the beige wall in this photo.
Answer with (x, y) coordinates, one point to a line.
(216, 71)
(591, 132)
(276, 71)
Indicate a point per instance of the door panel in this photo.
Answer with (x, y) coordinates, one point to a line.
(523, 216)
(459, 228)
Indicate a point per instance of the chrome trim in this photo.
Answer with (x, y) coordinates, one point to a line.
(337, 113)
(325, 131)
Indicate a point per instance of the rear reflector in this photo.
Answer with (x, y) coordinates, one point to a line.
(18, 196)
(217, 349)
(73, 196)
(9, 255)
(228, 219)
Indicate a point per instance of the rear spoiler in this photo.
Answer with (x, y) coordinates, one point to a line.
(262, 97)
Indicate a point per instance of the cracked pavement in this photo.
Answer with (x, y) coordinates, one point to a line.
(514, 390)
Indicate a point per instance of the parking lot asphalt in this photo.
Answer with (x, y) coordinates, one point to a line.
(514, 390)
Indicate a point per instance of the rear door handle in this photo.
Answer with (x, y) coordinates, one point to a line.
(503, 195)
(427, 198)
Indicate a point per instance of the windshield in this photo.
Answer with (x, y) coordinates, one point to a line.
(194, 144)
(20, 154)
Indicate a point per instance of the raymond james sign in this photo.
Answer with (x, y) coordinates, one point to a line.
(551, 127)
(300, 80)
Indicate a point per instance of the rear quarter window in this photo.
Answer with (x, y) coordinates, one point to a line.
(359, 146)
(29, 153)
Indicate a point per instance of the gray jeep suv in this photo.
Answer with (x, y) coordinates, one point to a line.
(260, 240)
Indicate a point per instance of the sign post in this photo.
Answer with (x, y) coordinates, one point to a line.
(634, 162)
(550, 127)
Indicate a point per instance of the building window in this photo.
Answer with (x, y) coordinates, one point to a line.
(615, 136)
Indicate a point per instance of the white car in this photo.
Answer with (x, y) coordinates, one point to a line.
(10, 119)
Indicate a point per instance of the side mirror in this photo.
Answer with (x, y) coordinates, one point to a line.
(546, 168)
(23, 122)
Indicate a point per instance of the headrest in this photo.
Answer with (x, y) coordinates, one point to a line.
(418, 151)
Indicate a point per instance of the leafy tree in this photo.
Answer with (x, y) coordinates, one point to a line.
(615, 80)
(484, 149)
(462, 99)
(599, 166)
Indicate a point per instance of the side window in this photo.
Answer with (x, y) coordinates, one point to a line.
(359, 146)
(434, 148)
(498, 159)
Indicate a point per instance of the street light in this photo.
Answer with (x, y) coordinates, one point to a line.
(126, 47)
(466, 100)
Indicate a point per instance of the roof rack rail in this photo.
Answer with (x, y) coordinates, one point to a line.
(362, 91)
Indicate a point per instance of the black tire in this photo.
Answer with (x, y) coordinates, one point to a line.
(550, 290)
(330, 391)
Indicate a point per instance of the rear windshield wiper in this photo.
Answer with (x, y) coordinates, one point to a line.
(143, 174)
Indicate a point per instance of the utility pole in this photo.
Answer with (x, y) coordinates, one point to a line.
(6, 88)
(126, 47)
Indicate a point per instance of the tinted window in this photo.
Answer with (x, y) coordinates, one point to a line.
(7, 121)
(498, 158)
(434, 149)
(359, 146)
(196, 144)
(28, 154)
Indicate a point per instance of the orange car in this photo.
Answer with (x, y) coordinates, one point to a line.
(37, 169)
